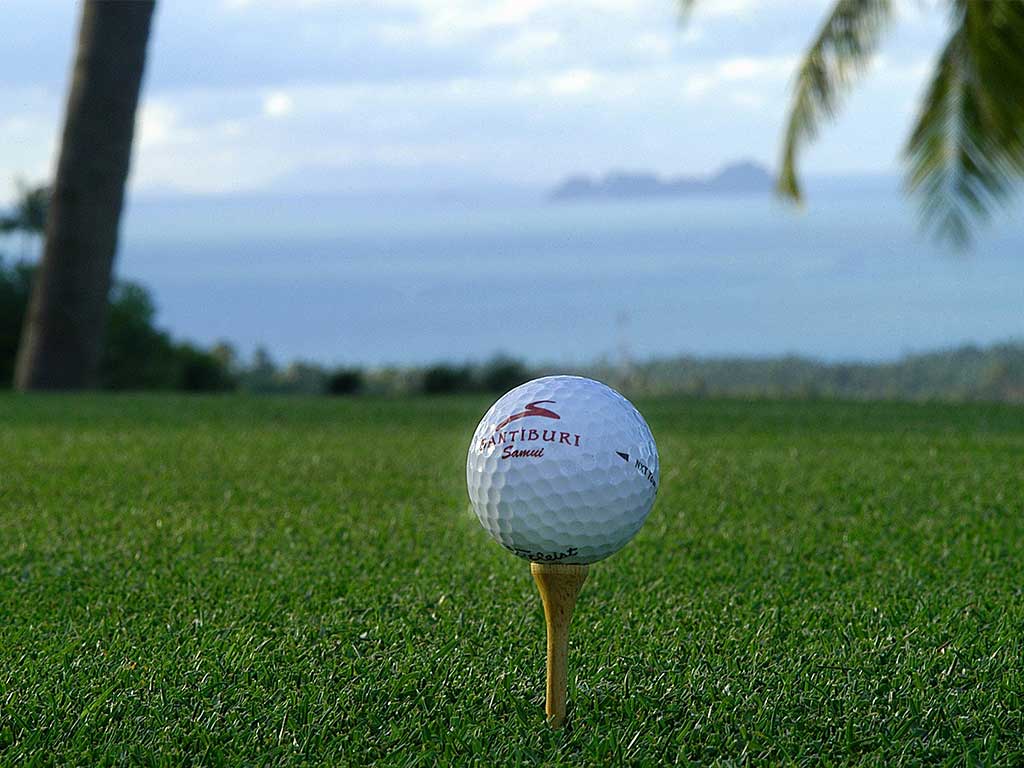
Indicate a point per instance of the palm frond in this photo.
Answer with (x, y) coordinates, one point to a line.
(966, 150)
(685, 9)
(841, 51)
(30, 209)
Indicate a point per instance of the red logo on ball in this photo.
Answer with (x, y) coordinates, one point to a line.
(530, 410)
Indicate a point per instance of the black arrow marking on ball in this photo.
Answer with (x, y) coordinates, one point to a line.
(623, 456)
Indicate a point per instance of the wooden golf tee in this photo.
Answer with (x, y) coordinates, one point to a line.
(559, 585)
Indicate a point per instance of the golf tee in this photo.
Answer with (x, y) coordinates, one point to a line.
(559, 586)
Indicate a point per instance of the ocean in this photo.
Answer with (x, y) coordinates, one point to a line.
(397, 281)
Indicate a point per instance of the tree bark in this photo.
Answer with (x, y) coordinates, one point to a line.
(62, 339)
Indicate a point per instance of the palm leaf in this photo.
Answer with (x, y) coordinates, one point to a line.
(841, 51)
(967, 146)
(30, 209)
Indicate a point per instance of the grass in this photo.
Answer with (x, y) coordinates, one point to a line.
(270, 581)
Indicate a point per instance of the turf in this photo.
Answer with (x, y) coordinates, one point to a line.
(278, 582)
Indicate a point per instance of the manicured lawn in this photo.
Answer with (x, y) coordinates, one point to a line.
(287, 581)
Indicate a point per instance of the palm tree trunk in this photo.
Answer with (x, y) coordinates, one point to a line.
(62, 338)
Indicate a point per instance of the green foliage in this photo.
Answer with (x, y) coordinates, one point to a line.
(497, 375)
(137, 355)
(502, 374)
(841, 51)
(200, 371)
(30, 210)
(263, 376)
(966, 373)
(15, 285)
(993, 373)
(445, 378)
(967, 147)
(965, 153)
(274, 581)
(345, 381)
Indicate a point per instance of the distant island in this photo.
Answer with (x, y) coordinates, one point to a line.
(742, 178)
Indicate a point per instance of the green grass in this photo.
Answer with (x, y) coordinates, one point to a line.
(269, 581)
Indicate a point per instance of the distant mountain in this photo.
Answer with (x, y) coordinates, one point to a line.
(742, 178)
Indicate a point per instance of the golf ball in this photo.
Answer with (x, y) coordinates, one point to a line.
(562, 469)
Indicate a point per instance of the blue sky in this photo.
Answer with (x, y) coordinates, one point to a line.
(249, 95)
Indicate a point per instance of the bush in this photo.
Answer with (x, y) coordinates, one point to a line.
(447, 379)
(345, 381)
(15, 284)
(201, 371)
(502, 374)
(136, 354)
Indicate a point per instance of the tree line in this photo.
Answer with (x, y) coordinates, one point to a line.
(964, 373)
(139, 355)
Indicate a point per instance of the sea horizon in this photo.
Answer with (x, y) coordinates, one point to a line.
(414, 277)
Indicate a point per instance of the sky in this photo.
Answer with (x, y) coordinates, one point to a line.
(248, 96)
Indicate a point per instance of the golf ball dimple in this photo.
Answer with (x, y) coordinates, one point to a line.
(562, 469)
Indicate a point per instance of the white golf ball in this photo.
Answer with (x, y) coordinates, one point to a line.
(562, 469)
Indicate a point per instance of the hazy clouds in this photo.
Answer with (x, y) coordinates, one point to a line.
(392, 93)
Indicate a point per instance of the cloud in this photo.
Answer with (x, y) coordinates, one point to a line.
(660, 45)
(744, 69)
(747, 99)
(908, 73)
(158, 124)
(720, 8)
(756, 10)
(517, 89)
(278, 104)
(25, 151)
(442, 19)
(28, 129)
(919, 12)
(748, 68)
(455, 18)
(572, 82)
(526, 46)
(17, 126)
(692, 34)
